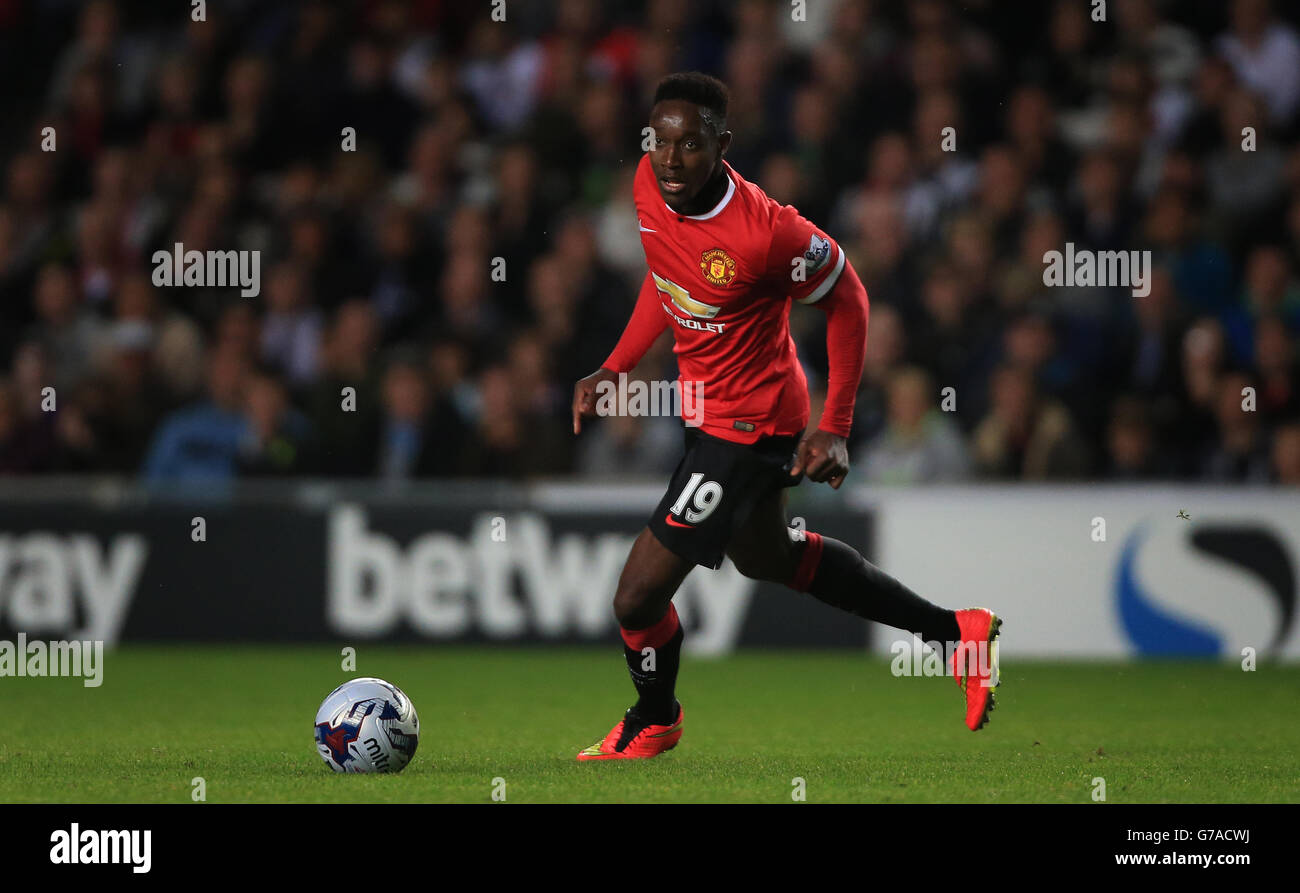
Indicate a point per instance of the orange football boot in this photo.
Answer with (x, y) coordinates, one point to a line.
(975, 663)
(634, 739)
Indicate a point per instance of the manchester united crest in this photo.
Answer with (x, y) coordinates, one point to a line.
(718, 266)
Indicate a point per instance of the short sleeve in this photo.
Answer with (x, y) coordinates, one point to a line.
(803, 256)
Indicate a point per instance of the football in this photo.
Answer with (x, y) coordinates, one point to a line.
(367, 725)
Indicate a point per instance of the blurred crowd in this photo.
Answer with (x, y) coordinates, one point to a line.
(428, 299)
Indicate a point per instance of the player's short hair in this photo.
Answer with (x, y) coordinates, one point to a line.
(706, 91)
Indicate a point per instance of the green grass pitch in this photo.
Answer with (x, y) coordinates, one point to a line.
(240, 718)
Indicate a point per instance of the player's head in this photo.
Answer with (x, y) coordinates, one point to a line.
(689, 120)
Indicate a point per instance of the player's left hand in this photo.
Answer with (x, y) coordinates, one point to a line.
(822, 457)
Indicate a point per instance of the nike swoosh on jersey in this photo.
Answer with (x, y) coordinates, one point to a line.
(669, 519)
(641, 226)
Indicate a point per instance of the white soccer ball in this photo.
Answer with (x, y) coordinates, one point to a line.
(367, 725)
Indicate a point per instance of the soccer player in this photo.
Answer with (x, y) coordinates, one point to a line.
(725, 262)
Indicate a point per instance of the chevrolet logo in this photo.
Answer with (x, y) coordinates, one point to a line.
(682, 299)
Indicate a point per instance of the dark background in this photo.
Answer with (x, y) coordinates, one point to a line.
(479, 140)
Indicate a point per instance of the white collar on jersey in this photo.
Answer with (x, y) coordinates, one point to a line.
(726, 199)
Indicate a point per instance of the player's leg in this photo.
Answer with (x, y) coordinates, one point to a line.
(766, 548)
(652, 634)
(652, 646)
(833, 572)
(711, 488)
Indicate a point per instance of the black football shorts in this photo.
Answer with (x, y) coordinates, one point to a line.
(714, 489)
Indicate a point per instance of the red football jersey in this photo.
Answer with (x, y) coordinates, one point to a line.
(725, 280)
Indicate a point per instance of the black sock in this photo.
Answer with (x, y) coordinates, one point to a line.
(656, 703)
(849, 582)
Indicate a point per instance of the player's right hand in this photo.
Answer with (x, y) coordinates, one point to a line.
(584, 395)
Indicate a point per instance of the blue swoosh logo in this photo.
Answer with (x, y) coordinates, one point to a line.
(1156, 632)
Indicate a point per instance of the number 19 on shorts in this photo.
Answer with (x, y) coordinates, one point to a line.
(703, 499)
